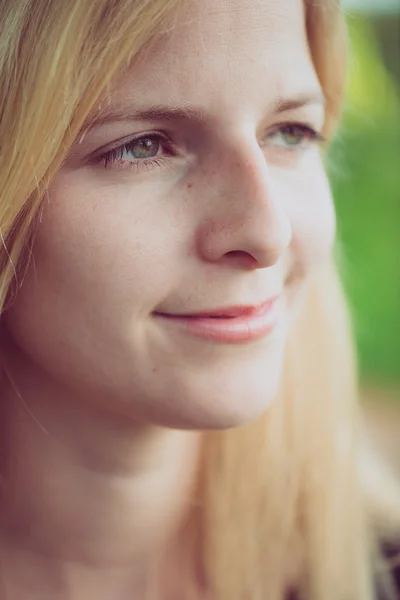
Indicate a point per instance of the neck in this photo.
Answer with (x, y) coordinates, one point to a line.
(89, 488)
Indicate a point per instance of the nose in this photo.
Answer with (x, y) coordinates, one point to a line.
(246, 223)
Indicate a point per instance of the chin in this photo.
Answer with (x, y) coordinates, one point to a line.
(237, 409)
(232, 397)
(215, 388)
(217, 405)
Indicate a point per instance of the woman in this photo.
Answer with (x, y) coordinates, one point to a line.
(166, 277)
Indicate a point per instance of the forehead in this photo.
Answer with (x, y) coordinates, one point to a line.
(224, 52)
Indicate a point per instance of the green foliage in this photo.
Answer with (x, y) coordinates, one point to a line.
(366, 183)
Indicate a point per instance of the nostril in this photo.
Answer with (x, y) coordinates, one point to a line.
(242, 258)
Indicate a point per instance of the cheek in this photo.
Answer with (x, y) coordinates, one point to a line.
(313, 221)
(100, 259)
(109, 242)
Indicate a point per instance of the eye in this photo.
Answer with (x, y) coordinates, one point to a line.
(145, 147)
(294, 137)
(144, 151)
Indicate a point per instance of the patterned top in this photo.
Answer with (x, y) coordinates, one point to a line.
(392, 554)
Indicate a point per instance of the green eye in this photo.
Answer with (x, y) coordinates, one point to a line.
(294, 136)
(145, 151)
(145, 147)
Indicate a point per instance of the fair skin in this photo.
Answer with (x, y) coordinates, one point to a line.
(108, 395)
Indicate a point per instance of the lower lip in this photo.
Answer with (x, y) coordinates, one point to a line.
(243, 328)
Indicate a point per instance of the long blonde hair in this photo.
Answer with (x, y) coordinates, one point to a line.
(284, 498)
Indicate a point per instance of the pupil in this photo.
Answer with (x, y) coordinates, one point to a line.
(146, 148)
(292, 136)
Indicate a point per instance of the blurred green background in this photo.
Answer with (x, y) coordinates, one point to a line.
(364, 164)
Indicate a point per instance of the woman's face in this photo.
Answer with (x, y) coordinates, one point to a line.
(211, 195)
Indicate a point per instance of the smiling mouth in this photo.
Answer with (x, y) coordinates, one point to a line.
(227, 312)
(229, 325)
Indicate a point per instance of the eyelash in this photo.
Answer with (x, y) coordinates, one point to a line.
(113, 156)
(308, 132)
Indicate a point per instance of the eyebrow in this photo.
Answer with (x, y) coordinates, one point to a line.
(114, 114)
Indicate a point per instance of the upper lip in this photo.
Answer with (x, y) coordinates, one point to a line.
(227, 311)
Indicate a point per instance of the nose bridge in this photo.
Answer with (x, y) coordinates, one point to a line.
(246, 185)
(250, 183)
(248, 212)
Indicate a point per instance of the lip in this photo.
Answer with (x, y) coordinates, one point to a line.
(234, 324)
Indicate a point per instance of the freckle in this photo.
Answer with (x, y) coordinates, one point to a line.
(189, 186)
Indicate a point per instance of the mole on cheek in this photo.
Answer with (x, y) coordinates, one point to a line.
(189, 186)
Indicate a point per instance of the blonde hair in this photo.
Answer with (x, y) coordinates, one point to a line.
(284, 498)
